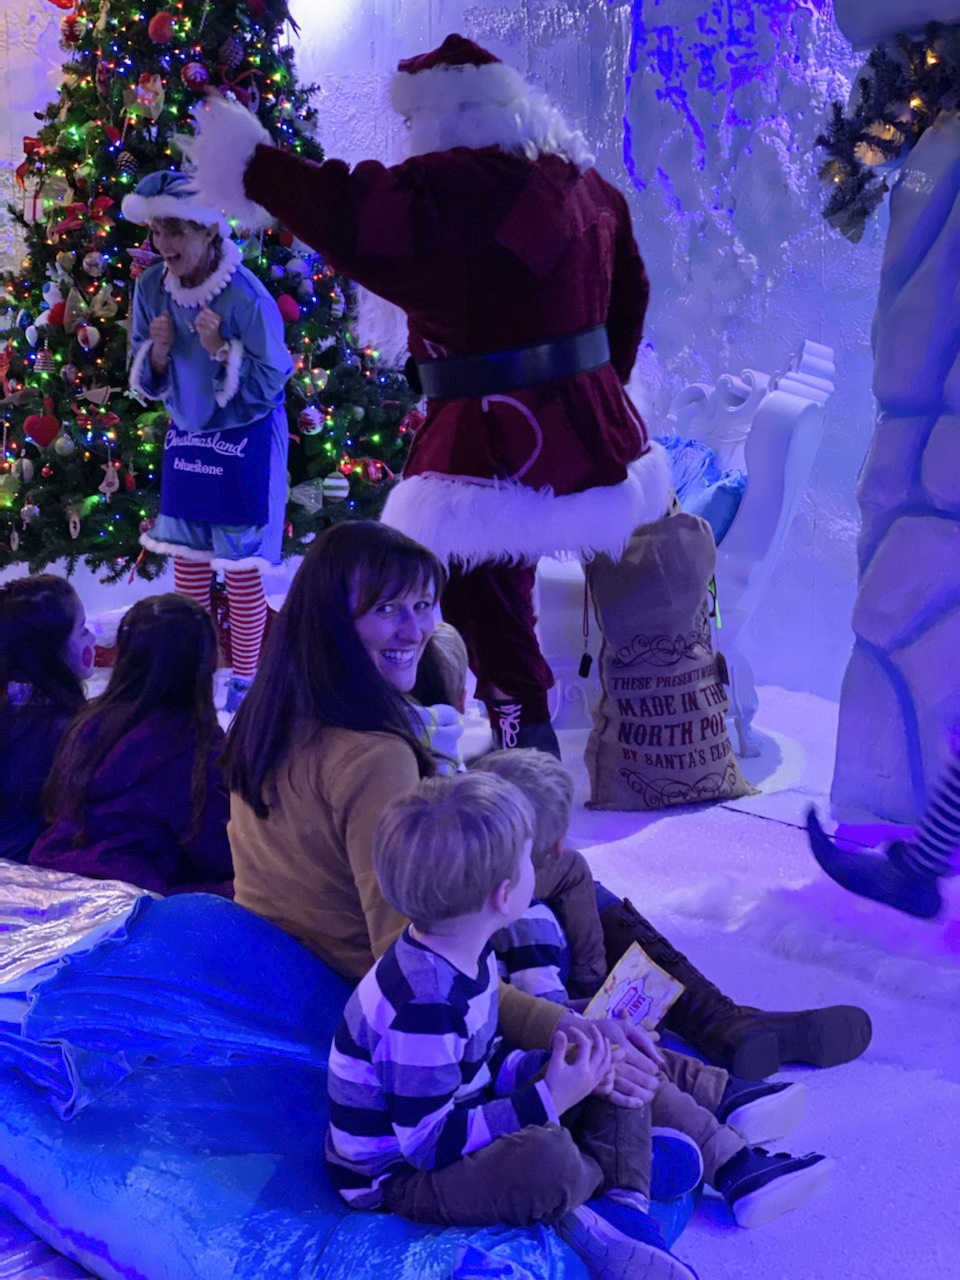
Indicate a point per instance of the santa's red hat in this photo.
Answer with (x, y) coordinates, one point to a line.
(457, 74)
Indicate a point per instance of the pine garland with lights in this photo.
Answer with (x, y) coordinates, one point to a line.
(903, 89)
(81, 456)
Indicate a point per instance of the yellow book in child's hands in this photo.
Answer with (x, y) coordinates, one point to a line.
(635, 988)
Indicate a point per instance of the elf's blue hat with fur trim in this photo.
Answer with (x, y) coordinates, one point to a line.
(166, 194)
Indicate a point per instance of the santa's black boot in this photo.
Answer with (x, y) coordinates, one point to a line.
(750, 1043)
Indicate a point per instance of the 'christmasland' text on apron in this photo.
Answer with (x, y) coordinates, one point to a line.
(217, 476)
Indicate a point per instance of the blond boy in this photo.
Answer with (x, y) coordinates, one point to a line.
(431, 1116)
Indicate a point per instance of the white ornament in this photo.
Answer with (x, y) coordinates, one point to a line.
(336, 488)
(23, 469)
(88, 336)
(110, 482)
(64, 447)
(297, 267)
(32, 334)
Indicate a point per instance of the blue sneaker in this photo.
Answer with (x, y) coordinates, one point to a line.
(762, 1112)
(236, 692)
(620, 1243)
(676, 1166)
(759, 1186)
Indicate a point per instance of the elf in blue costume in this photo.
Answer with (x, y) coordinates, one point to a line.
(208, 342)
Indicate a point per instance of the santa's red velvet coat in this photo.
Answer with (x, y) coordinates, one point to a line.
(487, 251)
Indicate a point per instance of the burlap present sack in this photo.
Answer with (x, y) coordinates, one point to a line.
(660, 735)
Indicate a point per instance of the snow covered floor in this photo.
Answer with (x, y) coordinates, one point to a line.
(735, 887)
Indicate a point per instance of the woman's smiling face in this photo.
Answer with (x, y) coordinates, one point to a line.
(395, 632)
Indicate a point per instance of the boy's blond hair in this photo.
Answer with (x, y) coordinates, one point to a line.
(547, 786)
(441, 850)
(442, 673)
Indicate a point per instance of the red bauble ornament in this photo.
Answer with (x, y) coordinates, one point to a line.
(46, 471)
(257, 8)
(289, 308)
(285, 237)
(43, 428)
(63, 4)
(55, 314)
(160, 28)
(71, 29)
(195, 76)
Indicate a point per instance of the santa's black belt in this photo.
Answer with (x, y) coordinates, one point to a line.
(468, 377)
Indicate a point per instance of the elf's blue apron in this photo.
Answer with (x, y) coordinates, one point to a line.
(218, 476)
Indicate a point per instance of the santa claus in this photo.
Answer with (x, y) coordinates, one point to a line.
(516, 266)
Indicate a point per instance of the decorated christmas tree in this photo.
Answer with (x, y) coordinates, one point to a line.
(81, 455)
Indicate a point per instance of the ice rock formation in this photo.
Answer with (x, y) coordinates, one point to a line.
(901, 691)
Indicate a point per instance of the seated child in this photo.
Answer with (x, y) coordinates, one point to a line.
(136, 792)
(750, 1042)
(440, 694)
(431, 1117)
(46, 651)
(722, 1114)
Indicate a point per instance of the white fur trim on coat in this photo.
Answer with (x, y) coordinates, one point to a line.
(203, 557)
(509, 523)
(174, 549)
(231, 380)
(227, 136)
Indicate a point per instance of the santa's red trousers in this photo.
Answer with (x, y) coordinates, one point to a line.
(492, 608)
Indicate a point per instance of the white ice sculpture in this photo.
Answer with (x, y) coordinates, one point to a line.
(768, 426)
(901, 691)
(771, 428)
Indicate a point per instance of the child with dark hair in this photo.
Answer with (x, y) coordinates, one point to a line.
(46, 652)
(136, 792)
(432, 1116)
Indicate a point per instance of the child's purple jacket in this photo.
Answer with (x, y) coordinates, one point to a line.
(138, 812)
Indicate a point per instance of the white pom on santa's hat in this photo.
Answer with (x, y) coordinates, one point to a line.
(457, 74)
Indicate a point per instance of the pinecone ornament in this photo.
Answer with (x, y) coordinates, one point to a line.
(230, 54)
(127, 166)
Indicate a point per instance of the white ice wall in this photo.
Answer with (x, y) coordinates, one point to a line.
(722, 101)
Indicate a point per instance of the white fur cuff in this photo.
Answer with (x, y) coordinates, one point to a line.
(227, 136)
(137, 370)
(231, 379)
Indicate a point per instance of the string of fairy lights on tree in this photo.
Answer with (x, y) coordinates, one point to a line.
(901, 91)
(81, 455)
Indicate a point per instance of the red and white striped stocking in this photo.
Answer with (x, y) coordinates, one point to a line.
(192, 578)
(248, 618)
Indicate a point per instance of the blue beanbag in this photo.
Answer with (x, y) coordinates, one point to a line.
(162, 1117)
